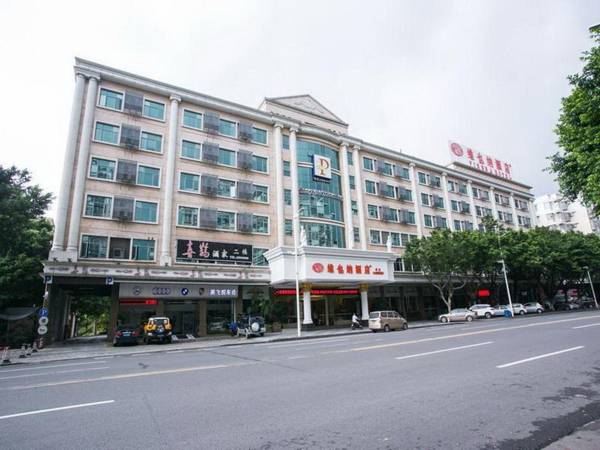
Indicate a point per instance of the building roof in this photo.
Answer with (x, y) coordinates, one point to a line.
(308, 104)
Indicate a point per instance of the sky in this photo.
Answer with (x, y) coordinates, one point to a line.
(407, 75)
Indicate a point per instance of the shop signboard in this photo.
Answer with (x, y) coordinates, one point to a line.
(189, 251)
(153, 291)
(338, 269)
(479, 161)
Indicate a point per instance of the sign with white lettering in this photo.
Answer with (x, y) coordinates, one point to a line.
(206, 251)
(176, 290)
(479, 161)
(321, 167)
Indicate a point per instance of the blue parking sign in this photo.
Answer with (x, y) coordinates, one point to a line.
(43, 312)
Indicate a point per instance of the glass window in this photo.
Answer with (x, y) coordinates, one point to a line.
(375, 236)
(154, 109)
(422, 178)
(119, 248)
(143, 250)
(227, 128)
(404, 173)
(260, 224)
(436, 181)
(307, 149)
(189, 182)
(410, 217)
(350, 159)
(258, 257)
(190, 149)
(98, 206)
(102, 168)
(367, 163)
(388, 169)
(94, 246)
(151, 142)
(259, 135)
(324, 235)
(226, 157)
(146, 211)
(286, 169)
(428, 221)
(287, 197)
(319, 206)
(289, 228)
(259, 164)
(393, 215)
(225, 220)
(373, 211)
(285, 142)
(352, 182)
(192, 119)
(390, 191)
(454, 205)
(370, 187)
(111, 99)
(306, 181)
(106, 133)
(148, 176)
(261, 194)
(226, 188)
(457, 225)
(424, 199)
(396, 239)
(354, 208)
(356, 233)
(187, 216)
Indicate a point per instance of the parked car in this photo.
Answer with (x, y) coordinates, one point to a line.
(534, 308)
(127, 334)
(158, 329)
(518, 308)
(587, 303)
(251, 326)
(566, 306)
(482, 310)
(386, 321)
(457, 315)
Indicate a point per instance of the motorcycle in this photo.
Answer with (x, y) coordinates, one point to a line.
(356, 326)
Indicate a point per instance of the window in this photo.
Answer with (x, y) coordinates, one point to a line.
(225, 220)
(319, 206)
(462, 188)
(349, 158)
(370, 187)
(409, 217)
(395, 239)
(289, 228)
(260, 224)
(94, 246)
(226, 157)
(259, 135)
(452, 186)
(227, 128)
(192, 119)
(441, 222)
(388, 169)
(143, 250)
(258, 257)
(425, 199)
(189, 182)
(154, 110)
(307, 181)
(435, 181)
(404, 173)
(259, 164)
(190, 150)
(146, 212)
(261, 194)
(375, 236)
(404, 194)
(187, 216)
(392, 215)
(287, 197)
(457, 225)
(352, 182)
(356, 232)
(354, 208)
(151, 142)
(372, 211)
(98, 206)
(285, 142)
(422, 178)
(428, 221)
(102, 168)
(111, 99)
(106, 133)
(324, 235)
(367, 163)
(454, 205)
(307, 149)
(286, 168)
(387, 191)
(148, 176)
(226, 188)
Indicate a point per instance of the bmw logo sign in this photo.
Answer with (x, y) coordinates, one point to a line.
(184, 291)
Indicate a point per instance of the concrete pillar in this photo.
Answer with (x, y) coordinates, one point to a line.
(513, 207)
(360, 198)
(326, 300)
(472, 204)
(364, 301)
(238, 305)
(447, 200)
(201, 310)
(295, 196)
(114, 311)
(415, 196)
(58, 242)
(280, 205)
(307, 319)
(169, 180)
(82, 167)
(347, 205)
(160, 307)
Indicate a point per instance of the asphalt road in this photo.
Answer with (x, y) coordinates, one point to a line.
(500, 383)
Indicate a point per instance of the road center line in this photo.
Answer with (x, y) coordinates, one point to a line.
(41, 367)
(514, 363)
(586, 326)
(39, 374)
(444, 350)
(61, 408)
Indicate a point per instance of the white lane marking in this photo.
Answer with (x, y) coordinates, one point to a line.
(39, 374)
(102, 358)
(443, 350)
(175, 351)
(41, 367)
(60, 408)
(585, 326)
(472, 333)
(546, 355)
(299, 357)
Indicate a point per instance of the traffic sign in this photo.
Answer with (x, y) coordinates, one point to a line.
(43, 312)
(43, 320)
(109, 280)
(48, 279)
(42, 329)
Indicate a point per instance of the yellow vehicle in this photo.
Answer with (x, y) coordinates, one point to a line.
(158, 329)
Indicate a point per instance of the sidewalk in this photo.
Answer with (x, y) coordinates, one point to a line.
(97, 347)
(586, 438)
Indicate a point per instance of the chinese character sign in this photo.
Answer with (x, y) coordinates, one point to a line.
(198, 251)
(480, 161)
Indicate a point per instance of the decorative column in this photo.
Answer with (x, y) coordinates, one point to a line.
(364, 301)
(532, 214)
(58, 242)
(347, 206)
(360, 198)
(513, 207)
(307, 319)
(295, 195)
(82, 165)
(472, 204)
(419, 216)
(169, 180)
(279, 185)
(447, 200)
(493, 201)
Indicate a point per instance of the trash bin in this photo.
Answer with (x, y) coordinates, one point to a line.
(507, 313)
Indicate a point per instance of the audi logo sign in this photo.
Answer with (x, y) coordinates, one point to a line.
(161, 291)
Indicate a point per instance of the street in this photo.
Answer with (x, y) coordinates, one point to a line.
(489, 384)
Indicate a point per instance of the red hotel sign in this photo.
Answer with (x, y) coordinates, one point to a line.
(279, 292)
(479, 161)
(341, 269)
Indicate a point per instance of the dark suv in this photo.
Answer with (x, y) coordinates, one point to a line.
(251, 326)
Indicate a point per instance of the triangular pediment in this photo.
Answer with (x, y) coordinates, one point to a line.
(306, 103)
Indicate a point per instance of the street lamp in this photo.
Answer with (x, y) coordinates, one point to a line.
(587, 269)
(296, 247)
(512, 314)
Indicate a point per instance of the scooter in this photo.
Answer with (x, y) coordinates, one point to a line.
(356, 326)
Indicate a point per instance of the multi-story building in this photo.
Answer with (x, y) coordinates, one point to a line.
(174, 202)
(555, 212)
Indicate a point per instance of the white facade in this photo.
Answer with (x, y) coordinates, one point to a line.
(557, 213)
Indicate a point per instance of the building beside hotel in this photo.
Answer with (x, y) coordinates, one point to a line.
(555, 212)
(174, 202)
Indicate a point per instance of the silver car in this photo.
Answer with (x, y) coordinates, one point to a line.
(534, 308)
(457, 315)
(483, 310)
